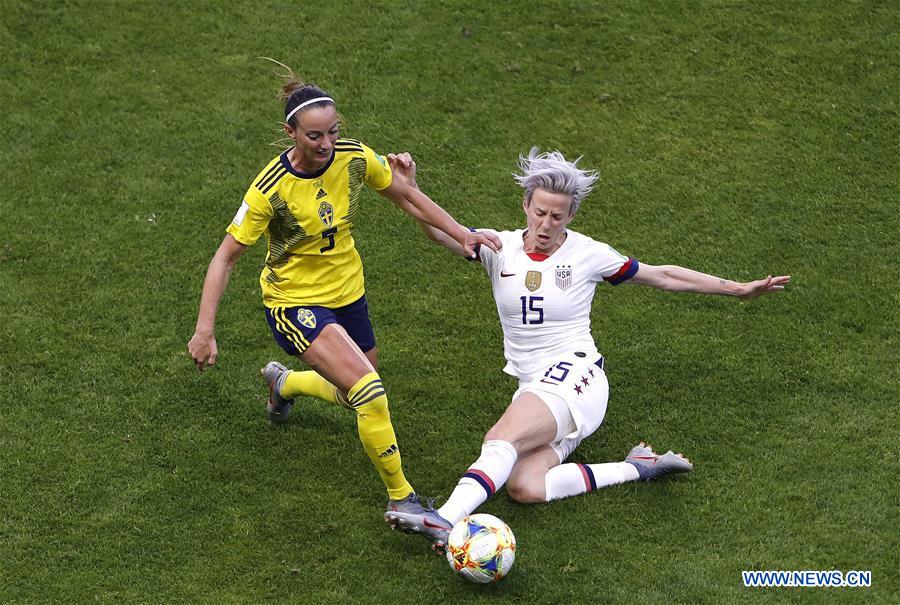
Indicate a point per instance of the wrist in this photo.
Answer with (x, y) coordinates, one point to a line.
(204, 329)
(463, 233)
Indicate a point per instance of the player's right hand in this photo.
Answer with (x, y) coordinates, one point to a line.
(403, 166)
(203, 350)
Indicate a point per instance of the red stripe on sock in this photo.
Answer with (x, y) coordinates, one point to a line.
(483, 475)
(584, 475)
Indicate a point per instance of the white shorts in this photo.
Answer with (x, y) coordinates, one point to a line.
(576, 391)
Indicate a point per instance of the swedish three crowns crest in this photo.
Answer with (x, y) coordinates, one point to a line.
(306, 317)
(326, 213)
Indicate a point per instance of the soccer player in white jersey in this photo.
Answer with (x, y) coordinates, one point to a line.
(543, 280)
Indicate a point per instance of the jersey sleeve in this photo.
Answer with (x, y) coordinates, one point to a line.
(252, 217)
(378, 173)
(612, 266)
(486, 256)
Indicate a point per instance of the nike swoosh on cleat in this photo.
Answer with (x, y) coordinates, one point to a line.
(653, 458)
(502, 274)
(427, 523)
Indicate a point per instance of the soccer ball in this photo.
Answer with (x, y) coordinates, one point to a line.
(481, 548)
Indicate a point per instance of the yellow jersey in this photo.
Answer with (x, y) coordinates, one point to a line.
(308, 219)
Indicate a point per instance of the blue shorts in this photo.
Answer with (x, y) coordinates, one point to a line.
(294, 328)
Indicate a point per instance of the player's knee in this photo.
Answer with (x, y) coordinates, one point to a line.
(525, 491)
(498, 433)
(367, 397)
(377, 409)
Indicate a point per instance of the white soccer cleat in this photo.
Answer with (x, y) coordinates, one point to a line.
(651, 465)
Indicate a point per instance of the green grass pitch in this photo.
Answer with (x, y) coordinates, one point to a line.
(737, 138)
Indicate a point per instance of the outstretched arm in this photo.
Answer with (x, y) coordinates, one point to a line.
(439, 237)
(202, 346)
(679, 279)
(434, 220)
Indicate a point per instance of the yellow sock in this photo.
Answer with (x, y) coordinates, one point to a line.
(377, 435)
(313, 384)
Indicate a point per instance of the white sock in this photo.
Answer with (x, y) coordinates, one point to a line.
(572, 479)
(484, 477)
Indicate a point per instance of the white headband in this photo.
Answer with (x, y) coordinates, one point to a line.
(304, 104)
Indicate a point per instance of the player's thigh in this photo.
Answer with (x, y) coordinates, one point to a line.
(335, 356)
(316, 336)
(354, 318)
(527, 423)
(372, 356)
(527, 482)
(576, 391)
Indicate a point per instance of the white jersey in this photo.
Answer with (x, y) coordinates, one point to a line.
(545, 306)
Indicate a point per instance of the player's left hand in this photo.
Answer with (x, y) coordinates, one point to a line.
(404, 167)
(759, 287)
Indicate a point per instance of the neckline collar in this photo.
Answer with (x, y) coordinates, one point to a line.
(286, 162)
(548, 256)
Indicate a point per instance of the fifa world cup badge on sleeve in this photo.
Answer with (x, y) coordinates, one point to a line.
(241, 213)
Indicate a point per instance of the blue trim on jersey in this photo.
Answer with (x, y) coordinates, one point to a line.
(270, 181)
(305, 175)
(341, 146)
(268, 175)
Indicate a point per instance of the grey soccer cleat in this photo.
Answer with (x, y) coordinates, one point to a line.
(408, 515)
(278, 407)
(651, 465)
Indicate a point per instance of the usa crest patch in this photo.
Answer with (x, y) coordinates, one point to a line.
(563, 276)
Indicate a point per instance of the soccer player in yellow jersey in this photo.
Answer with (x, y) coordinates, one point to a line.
(306, 201)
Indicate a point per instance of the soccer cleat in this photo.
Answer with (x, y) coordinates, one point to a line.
(277, 406)
(408, 515)
(651, 465)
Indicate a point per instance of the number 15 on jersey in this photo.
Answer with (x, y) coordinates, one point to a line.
(530, 305)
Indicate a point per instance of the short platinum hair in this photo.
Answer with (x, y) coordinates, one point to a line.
(553, 172)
